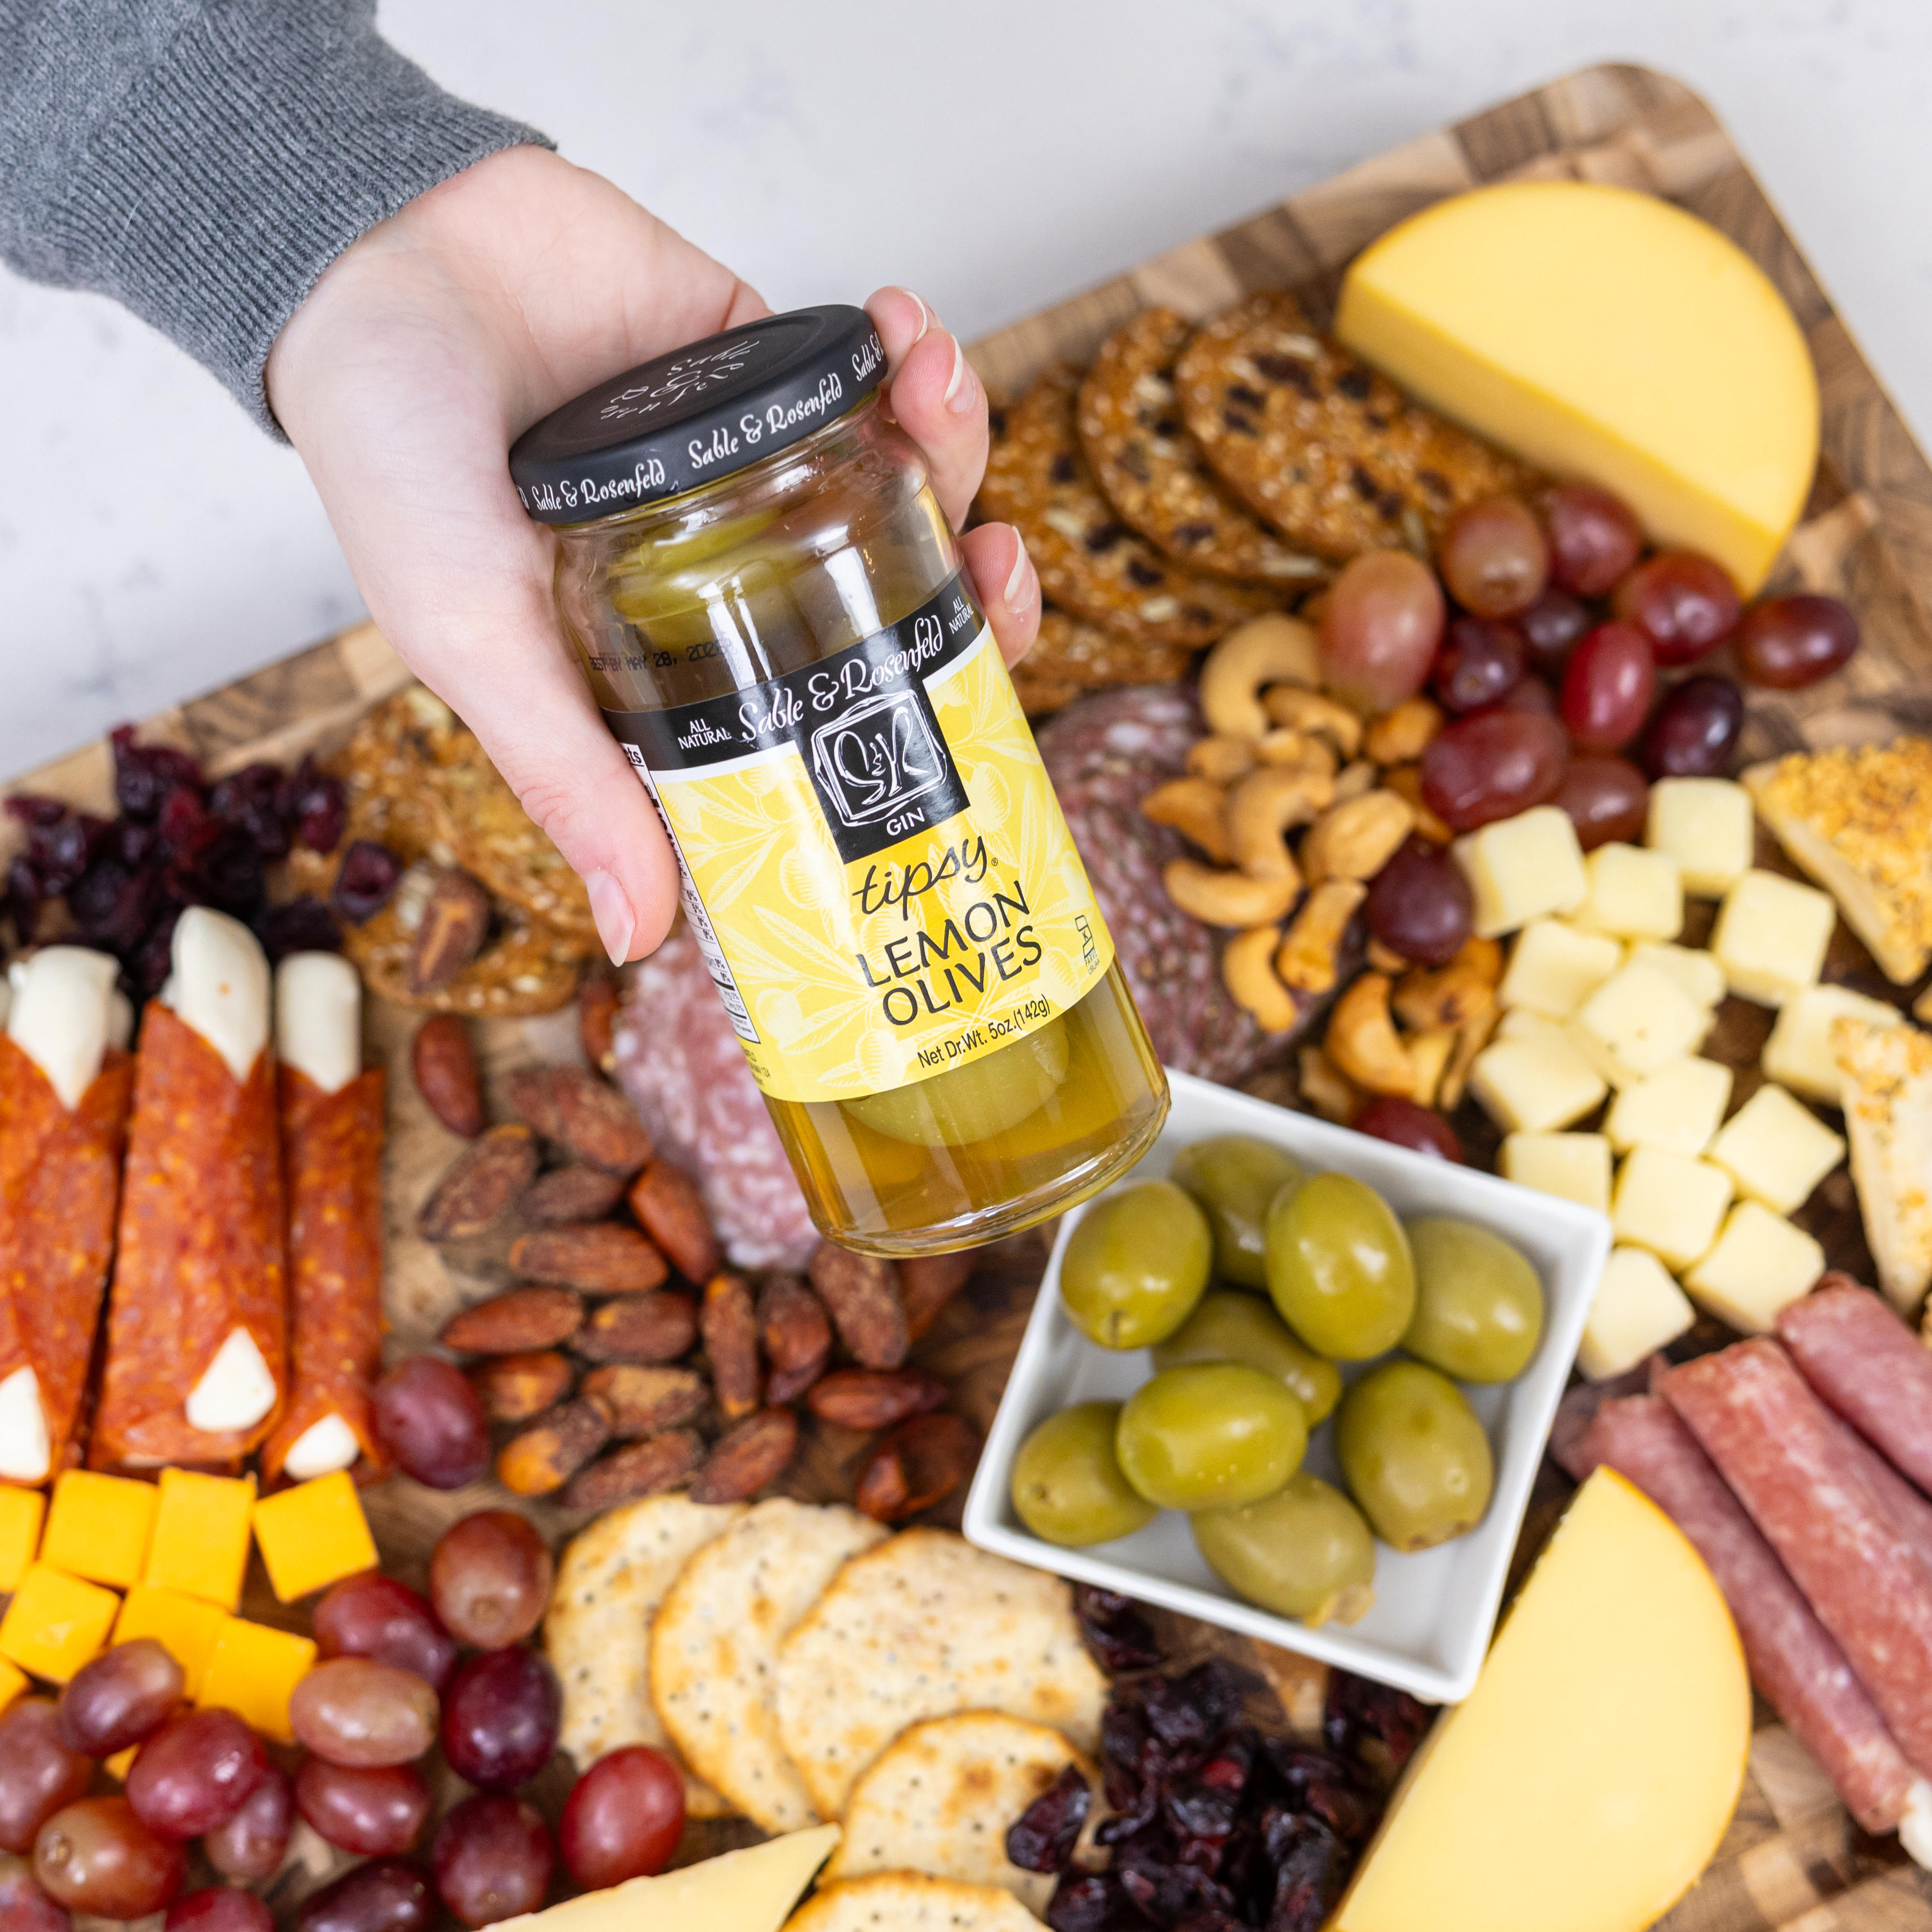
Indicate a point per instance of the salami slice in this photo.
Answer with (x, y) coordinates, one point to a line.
(1794, 1660)
(1784, 1457)
(1864, 1362)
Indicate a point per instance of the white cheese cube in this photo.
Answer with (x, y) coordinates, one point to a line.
(1670, 1203)
(1632, 893)
(1637, 1309)
(1677, 1108)
(1761, 1262)
(1699, 976)
(1553, 968)
(1771, 937)
(1519, 1023)
(1520, 868)
(1705, 825)
(1607, 1067)
(1798, 1053)
(1642, 1020)
(1576, 1166)
(1534, 1084)
(1777, 1150)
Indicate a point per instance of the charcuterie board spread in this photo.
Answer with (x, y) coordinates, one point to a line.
(445, 1476)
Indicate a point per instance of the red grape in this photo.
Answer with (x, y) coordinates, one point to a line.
(1531, 694)
(1493, 558)
(623, 1819)
(355, 1711)
(490, 1577)
(1380, 627)
(431, 1420)
(385, 1895)
(1493, 766)
(1550, 628)
(1607, 798)
(374, 1615)
(39, 1772)
(1593, 537)
(1787, 643)
(1607, 687)
(1420, 903)
(120, 1698)
(493, 1857)
(252, 1843)
(1478, 663)
(1409, 1123)
(381, 1810)
(500, 1719)
(97, 1856)
(219, 1908)
(1695, 730)
(194, 1772)
(1683, 603)
(24, 1907)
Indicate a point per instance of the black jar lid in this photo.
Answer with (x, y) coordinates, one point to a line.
(700, 413)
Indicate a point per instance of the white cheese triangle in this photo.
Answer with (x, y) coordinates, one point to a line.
(25, 1451)
(319, 1018)
(62, 1015)
(321, 1449)
(236, 1389)
(220, 985)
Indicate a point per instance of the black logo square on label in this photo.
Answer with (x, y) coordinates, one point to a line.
(882, 772)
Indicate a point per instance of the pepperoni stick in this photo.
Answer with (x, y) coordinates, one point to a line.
(1866, 1363)
(197, 1325)
(65, 1084)
(332, 1167)
(1781, 1451)
(1910, 1512)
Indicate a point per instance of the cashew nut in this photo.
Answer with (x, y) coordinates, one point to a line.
(1471, 1039)
(1284, 745)
(1222, 759)
(1192, 806)
(1247, 967)
(1443, 996)
(1309, 958)
(1431, 1053)
(1265, 650)
(1324, 1090)
(1405, 781)
(1261, 810)
(1357, 839)
(1385, 958)
(1227, 898)
(1310, 711)
(1354, 780)
(1400, 736)
(1363, 1042)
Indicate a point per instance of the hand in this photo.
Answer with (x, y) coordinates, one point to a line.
(429, 346)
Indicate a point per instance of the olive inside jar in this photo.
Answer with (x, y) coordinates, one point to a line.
(771, 610)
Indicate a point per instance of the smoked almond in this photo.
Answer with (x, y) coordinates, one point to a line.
(654, 1327)
(597, 1004)
(444, 1063)
(513, 1388)
(861, 1294)
(795, 1335)
(927, 1282)
(729, 1325)
(645, 1468)
(455, 922)
(513, 1323)
(479, 1186)
(746, 1457)
(580, 1112)
(645, 1401)
(669, 1209)
(920, 1464)
(874, 1398)
(570, 1194)
(545, 1455)
(600, 1258)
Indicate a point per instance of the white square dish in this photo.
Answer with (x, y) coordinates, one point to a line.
(1434, 1611)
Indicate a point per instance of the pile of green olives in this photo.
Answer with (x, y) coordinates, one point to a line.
(1248, 1279)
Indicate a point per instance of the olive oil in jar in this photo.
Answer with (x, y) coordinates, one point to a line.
(770, 607)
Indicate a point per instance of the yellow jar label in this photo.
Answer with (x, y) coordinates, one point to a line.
(873, 860)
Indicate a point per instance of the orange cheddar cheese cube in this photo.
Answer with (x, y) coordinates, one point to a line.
(55, 1623)
(100, 1527)
(117, 1766)
(13, 1681)
(314, 1535)
(251, 1671)
(20, 1513)
(184, 1626)
(201, 1535)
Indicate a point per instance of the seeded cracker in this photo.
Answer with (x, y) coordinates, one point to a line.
(920, 1627)
(715, 1644)
(1330, 453)
(1152, 470)
(609, 1585)
(940, 1800)
(1071, 657)
(905, 1901)
(1089, 562)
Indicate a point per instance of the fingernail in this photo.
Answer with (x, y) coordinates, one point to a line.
(925, 315)
(1019, 585)
(616, 922)
(958, 390)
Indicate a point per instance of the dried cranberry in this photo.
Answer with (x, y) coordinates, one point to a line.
(1307, 1864)
(184, 819)
(1095, 1903)
(134, 843)
(303, 926)
(1167, 1894)
(31, 809)
(246, 799)
(148, 971)
(146, 775)
(1188, 1713)
(1043, 1838)
(218, 865)
(24, 898)
(313, 804)
(114, 907)
(1117, 1630)
(1356, 1709)
(368, 877)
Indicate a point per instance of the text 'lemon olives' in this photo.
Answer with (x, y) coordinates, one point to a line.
(1211, 1435)
(1303, 1552)
(1067, 1485)
(1414, 1455)
(1228, 1326)
(1135, 1265)
(1235, 1177)
(1478, 1303)
(1338, 1267)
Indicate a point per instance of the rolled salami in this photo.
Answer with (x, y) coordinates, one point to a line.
(332, 1169)
(65, 1079)
(1864, 1362)
(1794, 1660)
(1785, 1458)
(198, 1322)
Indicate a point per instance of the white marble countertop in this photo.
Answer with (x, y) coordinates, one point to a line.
(995, 156)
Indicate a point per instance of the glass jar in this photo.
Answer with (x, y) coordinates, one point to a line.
(770, 607)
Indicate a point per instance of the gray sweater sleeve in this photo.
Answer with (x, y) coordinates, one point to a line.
(203, 161)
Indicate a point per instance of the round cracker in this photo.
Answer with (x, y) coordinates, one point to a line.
(922, 1626)
(610, 1582)
(1071, 656)
(715, 1644)
(908, 1901)
(941, 1798)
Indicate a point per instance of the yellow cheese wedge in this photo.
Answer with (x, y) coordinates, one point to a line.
(1608, 335)
(740, 1892)
(1589, 1779)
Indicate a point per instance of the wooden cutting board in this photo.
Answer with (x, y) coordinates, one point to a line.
(1792, 1859)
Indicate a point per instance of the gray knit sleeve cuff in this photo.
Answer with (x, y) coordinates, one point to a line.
(203, 161)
